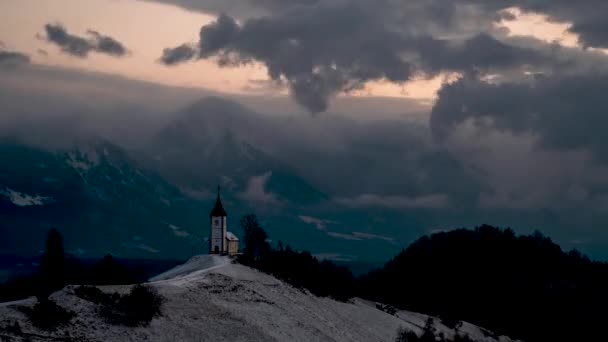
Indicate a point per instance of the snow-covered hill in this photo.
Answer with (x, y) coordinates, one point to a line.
(212, 299)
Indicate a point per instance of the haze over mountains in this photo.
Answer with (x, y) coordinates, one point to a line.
(154, 200)
(94, 193)
(341, 186)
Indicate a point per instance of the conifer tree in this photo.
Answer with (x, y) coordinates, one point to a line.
(52, 268)
(256, 239)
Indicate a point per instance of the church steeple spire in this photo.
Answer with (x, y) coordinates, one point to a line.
(218, 208)
(221, 241)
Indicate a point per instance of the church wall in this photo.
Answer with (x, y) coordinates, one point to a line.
(233, 247)
(218, 235)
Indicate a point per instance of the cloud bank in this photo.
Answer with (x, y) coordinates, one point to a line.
(586, 18)
(321, 48)
(13, 58)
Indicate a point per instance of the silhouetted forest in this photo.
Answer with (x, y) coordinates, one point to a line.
(524, 287)
(300, 269)
(521, 286)
(58, 269)
(136, 308)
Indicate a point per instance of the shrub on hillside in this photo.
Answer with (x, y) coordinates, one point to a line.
(92, 294)
(406, 336)
(137, 308)
(451, 323)
(428, 335)
(462, 338)
(11, 328)
(47, 315)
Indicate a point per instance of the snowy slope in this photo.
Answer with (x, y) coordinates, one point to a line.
(193, 269)
(211, 299)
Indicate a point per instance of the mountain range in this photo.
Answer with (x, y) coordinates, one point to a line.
(152, 200)
(95, 194)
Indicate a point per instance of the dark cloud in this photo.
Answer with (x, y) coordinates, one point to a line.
(565, 111)
(481, 52)
(310, 49)
(324, 49)
(217, 36)
(107, 45)
(318, 51)
(54, 106)
(262, 86)
(13, 58)
(81, 46)
(238, 8)
(587, 18)
(179, 54)
(71, 44)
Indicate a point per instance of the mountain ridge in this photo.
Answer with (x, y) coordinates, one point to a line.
(94, 193)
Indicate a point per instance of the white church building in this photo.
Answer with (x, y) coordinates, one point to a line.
(221, 241)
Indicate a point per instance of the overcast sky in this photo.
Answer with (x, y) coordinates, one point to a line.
(494, 108)
(146, 28)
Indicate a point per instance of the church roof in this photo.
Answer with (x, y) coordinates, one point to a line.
(218, 208)
(231, 237)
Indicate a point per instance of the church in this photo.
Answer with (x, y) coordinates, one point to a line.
(221, 241)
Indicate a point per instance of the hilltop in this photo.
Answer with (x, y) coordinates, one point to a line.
(210, 298)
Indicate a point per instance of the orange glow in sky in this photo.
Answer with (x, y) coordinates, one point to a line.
(146, 28)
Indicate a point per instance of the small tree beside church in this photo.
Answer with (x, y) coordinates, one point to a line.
(300, 269)
(255, 238)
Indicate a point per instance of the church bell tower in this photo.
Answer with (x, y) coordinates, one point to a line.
(217, 242)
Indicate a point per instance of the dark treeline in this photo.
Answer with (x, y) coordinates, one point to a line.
(300, 269)
(138, 307)
(521, 286)
(430, 334)
(525, 287)
(58, 269)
